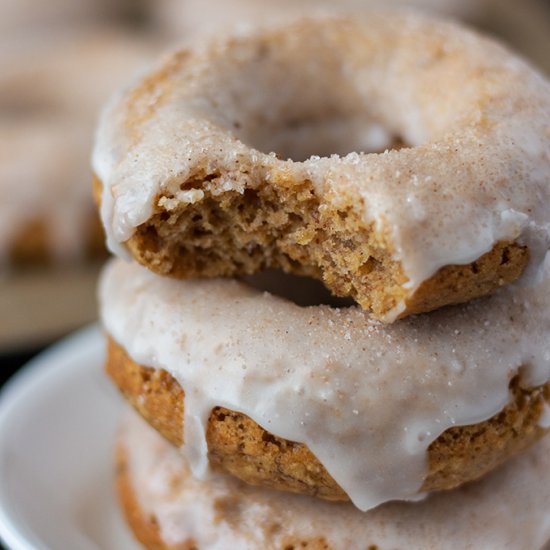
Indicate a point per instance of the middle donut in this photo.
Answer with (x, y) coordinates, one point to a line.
(326, 401)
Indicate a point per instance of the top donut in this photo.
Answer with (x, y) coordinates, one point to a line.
(402, 159)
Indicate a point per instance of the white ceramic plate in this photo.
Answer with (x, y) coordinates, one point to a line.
(58, 419)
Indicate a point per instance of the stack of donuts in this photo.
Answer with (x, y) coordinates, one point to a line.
(59, 61)
(332, 290)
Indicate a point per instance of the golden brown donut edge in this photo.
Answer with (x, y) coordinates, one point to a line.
(241, 447)
(195, 242)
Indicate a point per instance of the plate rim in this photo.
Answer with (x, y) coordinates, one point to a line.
(12, 395)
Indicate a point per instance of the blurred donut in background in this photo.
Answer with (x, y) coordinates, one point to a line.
(50, 92)
(59, 61)
(524, 24)
(185, 17)
(52, 85)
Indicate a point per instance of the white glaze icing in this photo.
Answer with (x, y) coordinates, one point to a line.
(478, 119)
(51, 87)
(367, 399)
(507, 510)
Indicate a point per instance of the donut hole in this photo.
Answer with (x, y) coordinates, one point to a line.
(299, 104)
(302, 291)
(316, 135)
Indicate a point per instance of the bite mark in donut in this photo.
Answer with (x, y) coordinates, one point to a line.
(238, 234)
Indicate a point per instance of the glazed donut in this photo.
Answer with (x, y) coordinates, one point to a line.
(189, 189)
(325, 401)
(47, 213)
(48, 105)
(523, 24)
(167, 508)
(185, 19)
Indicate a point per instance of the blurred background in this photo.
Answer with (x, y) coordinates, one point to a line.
(59, 62)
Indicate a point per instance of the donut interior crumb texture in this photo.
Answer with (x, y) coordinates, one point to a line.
(284, 226)
(241, 447)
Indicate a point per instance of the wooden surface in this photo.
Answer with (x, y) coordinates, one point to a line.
(38, 306)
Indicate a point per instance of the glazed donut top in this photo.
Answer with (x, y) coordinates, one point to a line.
(475, 118)
(51, 88)
(507, 510)
(367, 399)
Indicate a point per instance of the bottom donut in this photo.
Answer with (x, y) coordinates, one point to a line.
(167, 508)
